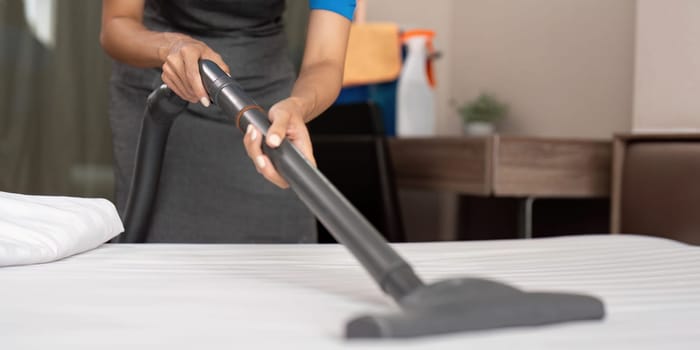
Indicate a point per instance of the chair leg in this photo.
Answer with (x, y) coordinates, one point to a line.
(525, 212)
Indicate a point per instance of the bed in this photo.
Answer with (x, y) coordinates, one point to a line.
(300, 296)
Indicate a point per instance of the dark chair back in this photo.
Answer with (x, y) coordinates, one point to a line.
(351, 150)
(657, 186)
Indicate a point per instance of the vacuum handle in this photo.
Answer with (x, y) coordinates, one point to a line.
(338, 215)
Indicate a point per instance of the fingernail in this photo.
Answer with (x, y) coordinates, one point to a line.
(253, 134)
(274, 140)
(249, 128)
(204, 101)
(261, 161)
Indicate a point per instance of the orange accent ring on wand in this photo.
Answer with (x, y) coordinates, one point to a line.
(243, 110)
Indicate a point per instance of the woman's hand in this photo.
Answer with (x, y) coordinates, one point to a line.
(125, 38)
(181, 68)
(287, 121)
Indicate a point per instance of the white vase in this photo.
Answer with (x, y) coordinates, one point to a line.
(479, 128)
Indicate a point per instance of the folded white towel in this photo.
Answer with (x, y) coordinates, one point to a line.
(39, 229)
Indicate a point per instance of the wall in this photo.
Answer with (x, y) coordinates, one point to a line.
(564, 66)
(667, 81)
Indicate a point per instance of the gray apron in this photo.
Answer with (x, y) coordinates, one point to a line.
(209, 190)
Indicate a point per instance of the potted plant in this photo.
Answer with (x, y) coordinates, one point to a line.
(481, 114)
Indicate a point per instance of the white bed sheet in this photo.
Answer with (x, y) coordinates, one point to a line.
(300, 296)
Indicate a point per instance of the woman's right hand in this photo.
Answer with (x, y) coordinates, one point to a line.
(181, 68)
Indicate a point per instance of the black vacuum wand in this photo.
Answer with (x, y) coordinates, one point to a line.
(454, 305)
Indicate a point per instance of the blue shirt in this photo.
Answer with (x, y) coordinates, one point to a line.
(345, 8)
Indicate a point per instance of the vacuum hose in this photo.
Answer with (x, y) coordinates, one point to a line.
(162, 108)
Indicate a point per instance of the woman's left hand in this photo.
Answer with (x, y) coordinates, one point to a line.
(287, 121)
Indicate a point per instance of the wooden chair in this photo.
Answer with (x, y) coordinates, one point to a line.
(656, 186)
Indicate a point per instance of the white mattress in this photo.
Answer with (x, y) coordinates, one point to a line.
(300, 296)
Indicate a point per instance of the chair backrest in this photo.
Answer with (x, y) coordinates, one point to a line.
(351, 150)
(657, 187)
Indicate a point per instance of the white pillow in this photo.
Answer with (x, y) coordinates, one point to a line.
(40, 229)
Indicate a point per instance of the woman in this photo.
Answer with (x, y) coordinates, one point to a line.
(210, 192)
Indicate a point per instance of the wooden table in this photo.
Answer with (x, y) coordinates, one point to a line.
(505, 166)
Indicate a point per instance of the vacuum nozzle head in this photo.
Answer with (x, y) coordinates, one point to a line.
(464, 305)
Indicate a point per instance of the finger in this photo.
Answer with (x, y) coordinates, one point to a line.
(253, 145)
(306, 150)
(252, 142)
(300, 137)
(278, 129)
(176, 66)
(191, 60)
(174, 85)
(173, 81)
(266, 168)
(298, 134)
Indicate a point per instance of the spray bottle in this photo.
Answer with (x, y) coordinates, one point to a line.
(415, 96)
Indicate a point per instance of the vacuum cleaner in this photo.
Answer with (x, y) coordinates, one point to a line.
(453, 305)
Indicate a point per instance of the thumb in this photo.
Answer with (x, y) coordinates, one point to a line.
(278, 129)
